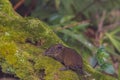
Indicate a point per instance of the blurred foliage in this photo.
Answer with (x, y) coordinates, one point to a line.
(103, 60)
(78, 23)
(62, 13)
(113, 36)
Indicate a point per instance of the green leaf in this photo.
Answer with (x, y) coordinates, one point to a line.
(108, 68)
(80, 38)
(102, 56)
(80, 26)
(115, 42)
(93, 61)
(115, 31)
(66, 18)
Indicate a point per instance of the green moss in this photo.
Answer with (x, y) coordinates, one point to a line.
(16, 60)
(6, 7)
(21, 56)
(17, 56)
(52, 69)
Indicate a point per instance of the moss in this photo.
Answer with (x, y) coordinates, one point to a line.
(6, 7)
(20, 57)
(52, 72)
(22, 44)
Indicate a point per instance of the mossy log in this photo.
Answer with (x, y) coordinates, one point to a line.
(22, 44)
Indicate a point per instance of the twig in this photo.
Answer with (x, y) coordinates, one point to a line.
(75, 24)
(99, 33)
(18, 4)
(100, 24)
(111, 26)
(72, 25)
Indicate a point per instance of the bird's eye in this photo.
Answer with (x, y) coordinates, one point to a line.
(59, 47)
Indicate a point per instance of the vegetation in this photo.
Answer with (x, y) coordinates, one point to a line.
(90, 27)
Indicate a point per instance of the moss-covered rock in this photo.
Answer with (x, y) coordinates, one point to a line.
(22, 44)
